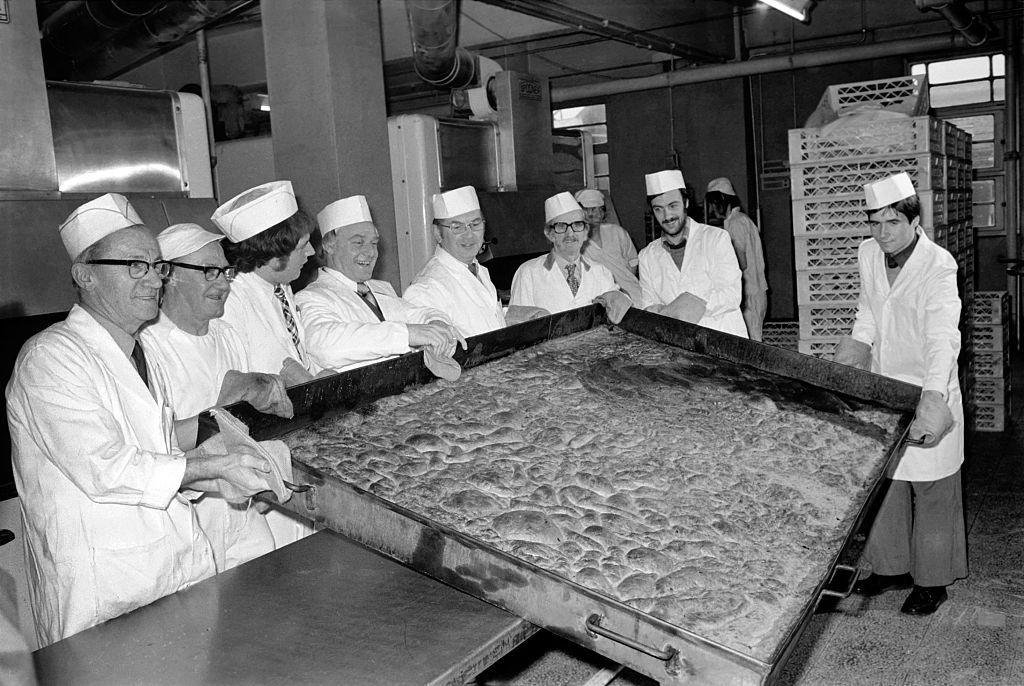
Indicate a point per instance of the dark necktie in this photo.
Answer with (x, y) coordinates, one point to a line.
(571, 278)
(364, 292)
(139, 361)
(289, 318)
(475, 269)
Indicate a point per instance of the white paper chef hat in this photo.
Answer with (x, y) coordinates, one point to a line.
(722, 185)
(178, 240)
(885, 192)
(344, 212)
(256, 210)
(456, 202)
(557, 206)
(96, 219)
(589, 197)
(664, 181)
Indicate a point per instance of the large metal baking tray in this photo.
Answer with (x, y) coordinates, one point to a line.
(668, 653)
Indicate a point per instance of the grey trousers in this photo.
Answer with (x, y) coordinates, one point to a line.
(920, 529)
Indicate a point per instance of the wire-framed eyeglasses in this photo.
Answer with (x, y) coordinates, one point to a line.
(458, 227)
(137, 269)
(211, 273)
(562, 227)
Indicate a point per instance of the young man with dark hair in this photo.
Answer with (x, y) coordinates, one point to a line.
(906, 328)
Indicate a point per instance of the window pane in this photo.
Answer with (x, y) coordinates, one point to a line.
(960, 94)
(984, 191)
(984, 155)
(998, 65)
(603, 182)
(981, 128)
(919, 69)
(598, 131)
(601, 164)
(984, 215)
(958, 70)
(578, 116)
(999, 90)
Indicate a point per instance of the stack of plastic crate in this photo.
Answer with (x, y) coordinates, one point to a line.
(988, 393)
(781, 334)
(828, 168)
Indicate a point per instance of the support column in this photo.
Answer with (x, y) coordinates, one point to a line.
(328, 111)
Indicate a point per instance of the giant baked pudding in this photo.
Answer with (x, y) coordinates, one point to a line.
(705, 493)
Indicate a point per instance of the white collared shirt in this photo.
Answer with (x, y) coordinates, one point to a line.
(541, 282)
(446, 284)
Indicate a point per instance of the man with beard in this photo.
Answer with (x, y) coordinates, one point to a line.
(691, 272)
(563, 279)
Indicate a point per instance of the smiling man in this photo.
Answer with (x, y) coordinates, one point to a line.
(351, 319)
(907, 328)
(691, 272)
(563, 279)
(206, 365)
(95, 459)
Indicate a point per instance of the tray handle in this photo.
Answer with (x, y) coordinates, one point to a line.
(845, 593)
(670, 656)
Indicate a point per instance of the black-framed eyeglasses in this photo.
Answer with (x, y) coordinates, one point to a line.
(458, 227)
(211, 273)
(139, 268)
(562, 227)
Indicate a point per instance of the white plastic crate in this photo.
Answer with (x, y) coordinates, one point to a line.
(826, 321)
(907, 94)
(910, 136)
(781, 334)
(990, 307)
(815, 179)
(846, 214)
(987, 338)
(995, 391)
(813, 253)
(834, 286)
(989, 417)
(819, 347)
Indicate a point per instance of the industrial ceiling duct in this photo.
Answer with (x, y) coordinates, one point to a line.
(100, 39)
(973, 27)
(437, 58)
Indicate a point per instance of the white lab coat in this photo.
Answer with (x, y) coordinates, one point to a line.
(254, 312)
(95, 462)
(540, 282)
(342, 332)
(470, 302)
(619, 255)
(709, 271)
(195, 367)
(912, 330)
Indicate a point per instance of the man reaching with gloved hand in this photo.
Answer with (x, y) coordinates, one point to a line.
(906, 328)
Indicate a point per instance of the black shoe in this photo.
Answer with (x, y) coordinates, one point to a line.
(876, 584)
(924, 600)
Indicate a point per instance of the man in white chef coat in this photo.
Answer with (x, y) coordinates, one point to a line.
(207, 365)
(906, 328)
(268, 242)
(95, 457)
(608, 244)
(352, 319)
(564, 279)
(691, 272)
(453, 281)
(722, 209)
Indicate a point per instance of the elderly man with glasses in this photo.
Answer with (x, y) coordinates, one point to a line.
(206, 364)
(96, 461)
(564, 279)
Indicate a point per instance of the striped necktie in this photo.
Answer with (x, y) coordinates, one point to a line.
(475, 269)
(289, 318)
(364, 292)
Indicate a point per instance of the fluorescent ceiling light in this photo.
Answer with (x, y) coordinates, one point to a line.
(798, 9)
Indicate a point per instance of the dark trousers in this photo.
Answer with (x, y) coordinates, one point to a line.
(920, 529)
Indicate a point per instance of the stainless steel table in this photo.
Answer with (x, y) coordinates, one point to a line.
(324, 610)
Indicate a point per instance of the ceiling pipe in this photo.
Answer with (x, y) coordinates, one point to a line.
(971, 26)
(436, 55)
(763, 65)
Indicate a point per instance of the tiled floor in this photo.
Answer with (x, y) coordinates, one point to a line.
(975, 639)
